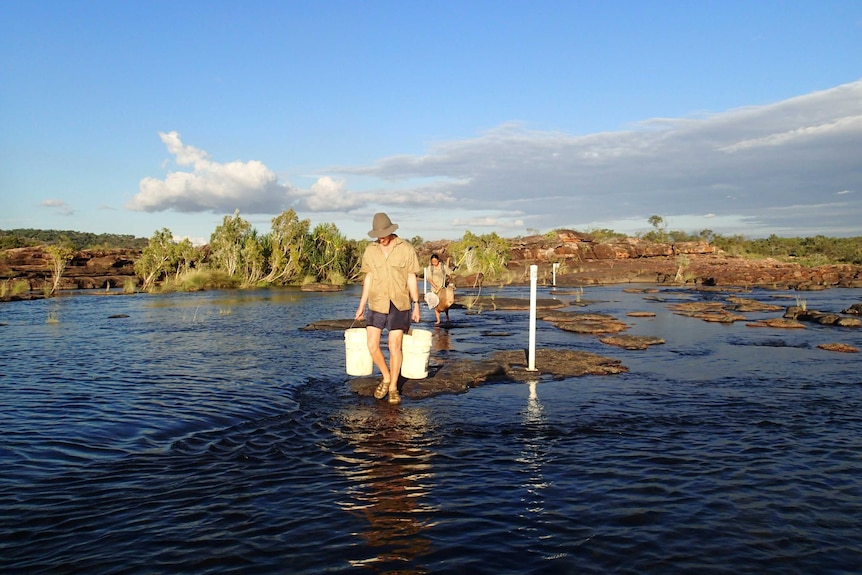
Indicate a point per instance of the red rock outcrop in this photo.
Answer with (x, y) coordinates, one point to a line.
(582, 261)
(88, 269)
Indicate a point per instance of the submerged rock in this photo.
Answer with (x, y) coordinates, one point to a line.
(744, 305)
(855, 309)
(841, 347)
(778, 322)
(333, 324)
(822, 318)
(632, 342)
(506, 303)
(706, 311)
(458, 376)
(584, 322)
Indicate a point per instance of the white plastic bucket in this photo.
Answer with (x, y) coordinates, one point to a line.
(416, 348)
(357, 357)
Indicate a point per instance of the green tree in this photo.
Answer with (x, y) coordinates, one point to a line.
(659, 233)
(58, 256)
(706, 235)
(288, 241)
(226, 243)
(156, 259)
(184, 255)
(605, 234)
(252, 259)
(327, 254)
(487, 254)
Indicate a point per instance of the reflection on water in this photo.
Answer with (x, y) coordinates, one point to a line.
(209, 433)
(532, 459)
(440, 340)
(390, 472)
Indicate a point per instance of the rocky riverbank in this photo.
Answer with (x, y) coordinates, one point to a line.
(582, 261)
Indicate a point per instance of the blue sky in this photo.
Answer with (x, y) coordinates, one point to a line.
(489, 116)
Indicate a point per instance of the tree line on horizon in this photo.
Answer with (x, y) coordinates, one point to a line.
(291, 253)
(294, 253)
(29, 237)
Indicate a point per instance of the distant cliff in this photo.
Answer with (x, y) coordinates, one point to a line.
(88, 269)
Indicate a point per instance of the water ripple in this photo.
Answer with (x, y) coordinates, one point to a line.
(201, 435)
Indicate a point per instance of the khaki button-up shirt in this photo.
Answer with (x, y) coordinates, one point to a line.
(389, 275)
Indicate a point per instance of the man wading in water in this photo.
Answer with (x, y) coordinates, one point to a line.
(390, 289)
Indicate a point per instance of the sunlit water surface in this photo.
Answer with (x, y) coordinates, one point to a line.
(208, 433)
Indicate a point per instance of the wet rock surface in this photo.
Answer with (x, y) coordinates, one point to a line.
(707, 311)
(457, 376)
(839, 347)
(632, 342)
(585, 322)
(505, 303)
(333, 324)
(777, 322)
(823, 318)
(452, 376)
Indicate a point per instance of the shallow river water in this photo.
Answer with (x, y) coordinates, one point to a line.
(208, 433)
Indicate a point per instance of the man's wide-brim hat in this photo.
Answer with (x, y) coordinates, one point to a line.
(382, 226)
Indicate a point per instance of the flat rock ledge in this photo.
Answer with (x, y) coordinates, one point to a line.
(632, 342)
(333, 325)
(777, 322)
(823, 318)
(586, 323)
(457, 376)
(841, 347)
(506, 303)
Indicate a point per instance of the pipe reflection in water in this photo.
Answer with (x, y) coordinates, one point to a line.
(391, 475)
(533, 458)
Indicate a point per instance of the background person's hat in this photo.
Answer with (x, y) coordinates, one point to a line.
(382, 226)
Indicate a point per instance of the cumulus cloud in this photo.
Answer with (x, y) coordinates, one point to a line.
(742, 165)
(249, 186)
(59, 205)
(328, 194)
(791, 167)
(494, 223)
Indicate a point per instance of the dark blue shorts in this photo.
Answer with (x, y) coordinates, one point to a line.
(394, 320)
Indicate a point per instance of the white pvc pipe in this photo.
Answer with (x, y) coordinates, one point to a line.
(555, 266)
(531, 356)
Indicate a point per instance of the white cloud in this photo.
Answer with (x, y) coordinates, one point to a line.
(742, 168)
(60, 206)
(328, 194)
(249, 186)
(489, 222)
(735, 165)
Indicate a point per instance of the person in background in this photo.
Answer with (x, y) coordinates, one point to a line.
(391, 291)
(438, 274)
